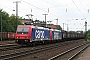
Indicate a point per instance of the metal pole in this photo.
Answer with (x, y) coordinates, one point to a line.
(67, 28)
(85, 26)
(16, 12)
(45, 19)
(57, 21)
(1, 27)
(63, 26)
(85, 30)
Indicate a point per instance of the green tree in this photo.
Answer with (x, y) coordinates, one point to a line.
(4, 16)
(12, 22)
(58, 27)
(88, 36)
(8, 22)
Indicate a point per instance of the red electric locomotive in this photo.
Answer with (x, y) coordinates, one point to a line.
(32, 34)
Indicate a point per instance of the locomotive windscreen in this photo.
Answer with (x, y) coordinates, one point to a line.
(22, 30)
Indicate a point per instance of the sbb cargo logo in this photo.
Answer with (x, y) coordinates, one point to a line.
(39, 34)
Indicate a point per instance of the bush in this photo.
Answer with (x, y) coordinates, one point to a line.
(88, 36)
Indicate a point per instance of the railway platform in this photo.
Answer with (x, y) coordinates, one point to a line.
(85, 55)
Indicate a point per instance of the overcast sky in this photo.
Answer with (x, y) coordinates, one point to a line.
(66, 11)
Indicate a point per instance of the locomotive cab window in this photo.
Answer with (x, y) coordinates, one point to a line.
(22, 30)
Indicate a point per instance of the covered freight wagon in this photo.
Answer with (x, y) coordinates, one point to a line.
(7, 35)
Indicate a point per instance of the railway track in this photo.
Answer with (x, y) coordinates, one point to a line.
(9, 47)
(28, 52)
(71, 53)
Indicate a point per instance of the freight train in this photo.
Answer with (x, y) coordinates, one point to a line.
(28, 34)
(7, 35)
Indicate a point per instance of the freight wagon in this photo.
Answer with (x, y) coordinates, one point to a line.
(7, 35)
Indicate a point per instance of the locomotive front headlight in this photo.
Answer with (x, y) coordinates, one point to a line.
(16, 37)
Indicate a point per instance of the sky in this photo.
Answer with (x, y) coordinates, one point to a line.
(71, 13)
